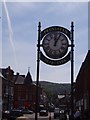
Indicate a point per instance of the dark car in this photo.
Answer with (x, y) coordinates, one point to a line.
(6, 114)
(43, 112)
(62, 116)
(56, 113)
(15, 113)
(26, 111)
(41, 107)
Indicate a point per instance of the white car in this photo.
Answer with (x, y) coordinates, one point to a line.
(43, 112)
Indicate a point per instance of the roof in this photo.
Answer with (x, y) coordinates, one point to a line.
(28, 79)
(83, 78)
(6, 71)
(2, 75)
(87, 59)
(85, 66)
(19, 79)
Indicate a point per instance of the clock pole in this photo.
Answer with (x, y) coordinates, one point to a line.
(72, 69)
(52, 58)
(38, 63)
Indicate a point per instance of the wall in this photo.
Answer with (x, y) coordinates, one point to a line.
(89, 26)
(0, 98)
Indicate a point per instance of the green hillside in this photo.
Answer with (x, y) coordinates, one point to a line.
(56, 88)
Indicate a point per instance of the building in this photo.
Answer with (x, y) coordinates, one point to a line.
(64, 101)
(82, 87)
(25, 91)
(18, 91)
(7, 88)
(1, 77)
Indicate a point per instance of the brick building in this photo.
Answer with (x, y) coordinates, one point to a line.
(18, 91)
(82, 89)
(25, 91)
(7, 88)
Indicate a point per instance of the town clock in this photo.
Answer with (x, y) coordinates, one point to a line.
(55, 44)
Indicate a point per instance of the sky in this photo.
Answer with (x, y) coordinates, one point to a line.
(20, 33)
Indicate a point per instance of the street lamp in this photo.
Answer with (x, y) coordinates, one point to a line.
(8, 102)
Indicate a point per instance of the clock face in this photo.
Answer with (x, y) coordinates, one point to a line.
(55, 44)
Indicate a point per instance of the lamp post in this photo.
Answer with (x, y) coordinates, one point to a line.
(8, 90)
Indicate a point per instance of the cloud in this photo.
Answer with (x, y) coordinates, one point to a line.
(25, 18)
(20, 8)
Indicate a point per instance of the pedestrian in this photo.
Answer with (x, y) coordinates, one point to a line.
(65, 115)
(77, 115)
(86, 115)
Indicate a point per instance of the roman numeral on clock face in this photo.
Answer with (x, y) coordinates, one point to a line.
(55, 44)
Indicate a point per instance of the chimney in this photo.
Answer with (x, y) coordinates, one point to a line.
(17, 74)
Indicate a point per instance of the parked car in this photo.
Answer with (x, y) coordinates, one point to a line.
(14, 113)
(51, 108)
(6, 114)
(26, 111)
(62, 116)
(43, 112)
(56, 113)
(59, 114)
(41, 107)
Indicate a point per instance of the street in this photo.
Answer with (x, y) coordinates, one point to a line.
(32, 117)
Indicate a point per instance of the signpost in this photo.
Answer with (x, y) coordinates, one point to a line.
(55, 41)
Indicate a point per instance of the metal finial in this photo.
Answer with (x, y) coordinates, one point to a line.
(28, 69)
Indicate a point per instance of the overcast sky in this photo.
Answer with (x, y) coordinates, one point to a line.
(19, 36)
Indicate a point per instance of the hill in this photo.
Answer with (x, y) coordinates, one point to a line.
(56, 88)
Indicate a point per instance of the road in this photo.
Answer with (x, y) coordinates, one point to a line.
(32, 117)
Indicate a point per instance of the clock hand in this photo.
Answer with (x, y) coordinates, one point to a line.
(56, 40)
